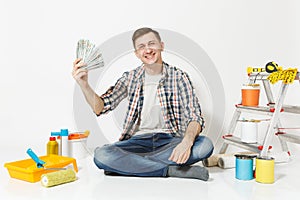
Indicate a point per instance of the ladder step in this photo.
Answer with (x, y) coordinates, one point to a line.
(256, 110)
(291, 109)
(289, 137)
(268, 110)
(233, 140)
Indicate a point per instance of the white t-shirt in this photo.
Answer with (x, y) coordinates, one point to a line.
(151, 115)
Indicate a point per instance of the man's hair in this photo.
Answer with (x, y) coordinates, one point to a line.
(143, 31)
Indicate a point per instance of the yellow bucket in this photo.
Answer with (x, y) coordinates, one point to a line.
(264, 172)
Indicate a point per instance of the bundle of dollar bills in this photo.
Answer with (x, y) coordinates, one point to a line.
(90, 54)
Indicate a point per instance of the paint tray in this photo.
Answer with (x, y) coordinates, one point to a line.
(27, 170)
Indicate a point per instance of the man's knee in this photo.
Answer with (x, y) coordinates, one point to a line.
(204, 146)
(102, 154)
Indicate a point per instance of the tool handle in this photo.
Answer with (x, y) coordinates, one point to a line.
(34, 157)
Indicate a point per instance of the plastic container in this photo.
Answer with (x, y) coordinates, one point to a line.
(27, 170)
(52, 146)
(78, 145)
(58, 140)
(250, 95)
(64, 142)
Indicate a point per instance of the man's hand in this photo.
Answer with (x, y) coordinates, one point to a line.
(181, 152)
(79, 74)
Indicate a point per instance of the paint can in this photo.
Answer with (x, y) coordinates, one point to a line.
(244, 167)
(249, 131)
(250, 94)
(264, 172)
(78, 145)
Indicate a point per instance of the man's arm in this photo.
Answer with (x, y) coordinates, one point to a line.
(81, 76)
(93, 99)
(182, 151)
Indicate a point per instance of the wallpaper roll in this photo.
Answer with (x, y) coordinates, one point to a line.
(227, 161)
(212, 160)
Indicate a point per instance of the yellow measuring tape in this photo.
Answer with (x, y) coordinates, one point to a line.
(287, 76)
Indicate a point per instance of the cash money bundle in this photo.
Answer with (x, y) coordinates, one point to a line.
(90, 54)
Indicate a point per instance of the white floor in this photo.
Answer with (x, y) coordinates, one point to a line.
(93, 184)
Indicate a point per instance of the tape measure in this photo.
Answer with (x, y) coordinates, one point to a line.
(271, 67)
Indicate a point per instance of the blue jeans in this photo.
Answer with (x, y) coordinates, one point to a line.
(147, 154)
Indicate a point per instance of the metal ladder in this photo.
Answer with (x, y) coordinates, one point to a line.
(272, 109)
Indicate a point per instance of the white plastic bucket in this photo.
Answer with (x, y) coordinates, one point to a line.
(78, 146)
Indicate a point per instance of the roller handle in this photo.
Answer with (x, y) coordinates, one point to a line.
(36, 159)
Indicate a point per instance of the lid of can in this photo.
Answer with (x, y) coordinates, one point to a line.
(265, 158)
(244, 156)
(74, 136)
(52, 138)
(253, 86)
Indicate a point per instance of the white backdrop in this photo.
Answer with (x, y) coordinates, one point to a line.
(38, 41)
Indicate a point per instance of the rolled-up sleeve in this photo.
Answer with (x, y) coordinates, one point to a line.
(191, 105)
(115, 94)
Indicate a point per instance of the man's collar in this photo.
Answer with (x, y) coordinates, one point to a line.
(141, 71)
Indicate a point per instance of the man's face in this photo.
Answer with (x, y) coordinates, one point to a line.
(148, 49)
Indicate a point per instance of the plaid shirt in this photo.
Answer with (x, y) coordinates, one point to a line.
(175, 92)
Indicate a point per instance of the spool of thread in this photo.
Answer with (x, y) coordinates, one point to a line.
(58, 177)
(244, 167)
(264, 172)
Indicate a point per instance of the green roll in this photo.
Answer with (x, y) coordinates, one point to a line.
(58, 177)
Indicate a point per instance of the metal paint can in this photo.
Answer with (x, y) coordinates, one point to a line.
(264, 172)
(244, 167)
(249, 131)
(250, 95)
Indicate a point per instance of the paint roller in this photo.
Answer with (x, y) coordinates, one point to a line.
(58, 177)
(63, 175)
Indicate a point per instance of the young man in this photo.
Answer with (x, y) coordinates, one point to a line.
(161, 130)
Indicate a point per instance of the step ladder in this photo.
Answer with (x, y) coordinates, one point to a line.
(273, 109)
